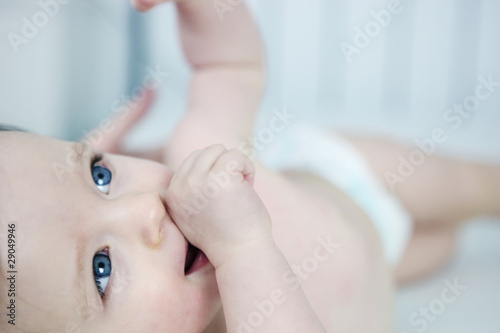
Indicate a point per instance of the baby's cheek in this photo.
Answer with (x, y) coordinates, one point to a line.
(166, 302)
(179, 309)
(162, 304)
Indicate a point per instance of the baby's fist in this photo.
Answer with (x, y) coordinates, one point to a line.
(212, 201)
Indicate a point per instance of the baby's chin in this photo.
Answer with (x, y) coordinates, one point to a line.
(217, 323)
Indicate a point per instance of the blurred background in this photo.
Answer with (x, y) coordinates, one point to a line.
(66, 64)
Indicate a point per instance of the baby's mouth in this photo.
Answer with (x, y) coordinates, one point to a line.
(195, 259)
(191, 254)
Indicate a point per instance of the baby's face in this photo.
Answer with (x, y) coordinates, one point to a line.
(78, 221)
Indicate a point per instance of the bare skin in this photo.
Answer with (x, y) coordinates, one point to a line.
(351, 281)
(328, 242)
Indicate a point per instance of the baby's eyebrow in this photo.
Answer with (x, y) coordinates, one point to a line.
(82, 293)
(82, 150)
(84, 297)
(82, 155)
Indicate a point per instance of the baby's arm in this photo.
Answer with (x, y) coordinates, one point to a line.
(226, 84)
(233, 228)
(227, 59)
(228, 77)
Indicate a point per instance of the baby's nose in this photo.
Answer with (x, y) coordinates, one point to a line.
(145, 213)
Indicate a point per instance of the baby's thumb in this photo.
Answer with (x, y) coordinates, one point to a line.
(144, 5)
(122, 121)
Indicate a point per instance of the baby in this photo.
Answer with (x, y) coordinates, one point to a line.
(109, 243)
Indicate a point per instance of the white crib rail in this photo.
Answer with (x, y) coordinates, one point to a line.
(427, 58)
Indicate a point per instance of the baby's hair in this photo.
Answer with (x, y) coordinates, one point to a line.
(9, 128)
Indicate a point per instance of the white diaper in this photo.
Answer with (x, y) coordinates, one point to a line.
(317, 151)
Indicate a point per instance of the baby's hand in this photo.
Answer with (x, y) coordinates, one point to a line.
(212, 201)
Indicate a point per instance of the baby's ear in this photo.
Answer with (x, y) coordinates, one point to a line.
(109, 136)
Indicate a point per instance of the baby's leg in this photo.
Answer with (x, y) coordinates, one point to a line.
(428, 251)
(441, 190)
(440, 195)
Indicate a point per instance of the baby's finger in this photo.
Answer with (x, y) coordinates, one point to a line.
(186, 165)
(236, 162)
(207, 159)
(144, 5)
(123, 122)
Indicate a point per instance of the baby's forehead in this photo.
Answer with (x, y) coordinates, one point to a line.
(21, 150)
(14, 145)
(8, 145)
(41, 208)
(8, 140)
(28, 171)
(16, 152)
(17, 178)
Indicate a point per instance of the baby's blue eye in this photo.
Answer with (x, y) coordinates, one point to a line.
(102, 271)
(102, 178)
